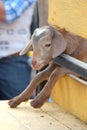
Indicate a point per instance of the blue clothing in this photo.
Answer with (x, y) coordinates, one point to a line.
(14, 8)
(15, 72)
(14, 76)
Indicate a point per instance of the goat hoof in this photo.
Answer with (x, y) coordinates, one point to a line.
(36, 104)
(14, 102)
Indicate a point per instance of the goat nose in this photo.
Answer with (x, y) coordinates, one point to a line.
(33, 62)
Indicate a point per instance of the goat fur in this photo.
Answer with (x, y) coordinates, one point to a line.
(47, 43)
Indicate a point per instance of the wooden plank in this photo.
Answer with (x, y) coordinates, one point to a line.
(50, 117)
(9, 122)
(28, 118)
(73, 64)
(64, 117)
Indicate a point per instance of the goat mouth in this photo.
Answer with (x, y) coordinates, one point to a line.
(39, 66)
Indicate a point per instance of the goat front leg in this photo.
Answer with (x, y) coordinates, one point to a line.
(25, 95)
(46, 91)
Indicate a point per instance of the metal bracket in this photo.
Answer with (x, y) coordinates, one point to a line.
(74, 65)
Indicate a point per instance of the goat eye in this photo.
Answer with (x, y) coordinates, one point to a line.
(47, 45)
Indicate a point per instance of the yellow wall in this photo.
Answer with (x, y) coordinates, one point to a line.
(72, 15)
(71, 95)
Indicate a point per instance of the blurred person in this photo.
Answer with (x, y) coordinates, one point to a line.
(15, 22)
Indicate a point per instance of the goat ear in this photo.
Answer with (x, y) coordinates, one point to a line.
(26, 49)
(58, 43)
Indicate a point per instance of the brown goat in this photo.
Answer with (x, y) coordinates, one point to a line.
(48, 43)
